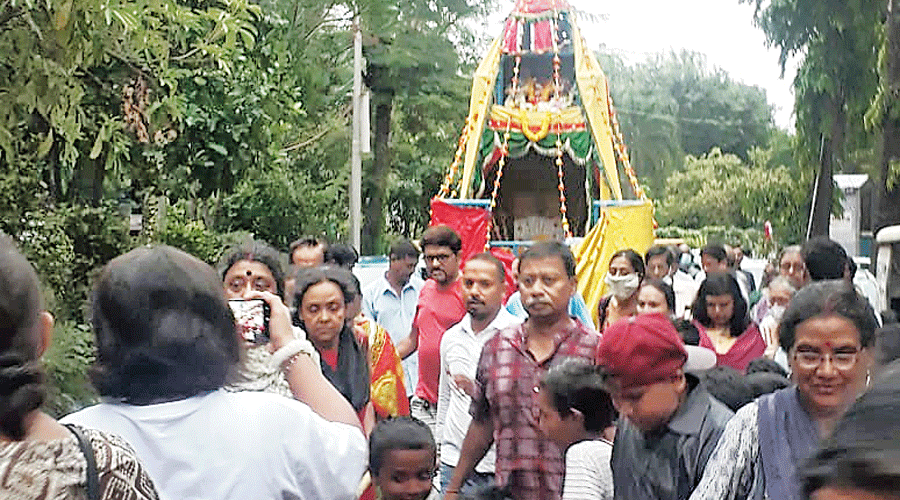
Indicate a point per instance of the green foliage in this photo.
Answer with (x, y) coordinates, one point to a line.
(67, 246)
(414, 53)
(673, 104)
(188, 234)
(279, 204)
(836, 42)
(66, 363)
(720, 189)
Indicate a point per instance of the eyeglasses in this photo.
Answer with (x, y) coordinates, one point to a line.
(440, 257)
(810, 359)
(790, 267)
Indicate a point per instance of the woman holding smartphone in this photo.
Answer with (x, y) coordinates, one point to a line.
(246, 271)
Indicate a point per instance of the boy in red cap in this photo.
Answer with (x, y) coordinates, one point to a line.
(668, 424)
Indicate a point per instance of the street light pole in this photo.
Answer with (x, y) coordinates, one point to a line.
(355, 154)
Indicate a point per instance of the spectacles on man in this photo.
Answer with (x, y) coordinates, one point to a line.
(810, 359)
(440, 257)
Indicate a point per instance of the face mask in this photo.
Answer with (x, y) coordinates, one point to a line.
(776, 312)
(623, 287)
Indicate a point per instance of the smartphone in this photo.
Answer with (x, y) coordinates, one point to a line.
(251, 317)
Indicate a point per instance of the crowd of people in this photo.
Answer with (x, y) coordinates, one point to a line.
(682, 383)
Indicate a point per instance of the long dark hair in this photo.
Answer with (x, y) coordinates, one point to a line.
(722, 284)
(21, 379)
(164, 330)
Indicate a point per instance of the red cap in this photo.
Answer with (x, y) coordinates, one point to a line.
(645, 349)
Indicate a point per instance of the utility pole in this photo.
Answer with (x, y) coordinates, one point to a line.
(355, 154)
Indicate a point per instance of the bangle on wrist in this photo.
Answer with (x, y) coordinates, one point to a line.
(285, 356)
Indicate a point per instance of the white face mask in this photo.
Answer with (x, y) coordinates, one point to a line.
(623, 286)
(776, 312)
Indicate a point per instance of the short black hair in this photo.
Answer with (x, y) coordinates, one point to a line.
(715, 251)
(863, 451)
(442, 235)
(341, 255)
(22, 389)
(306, 241)
(766, 383)
(828, 297)
(728, 386)
(657, 250)
(401, 249)
(256, 251)
(825, 258)
(163, 329)
(398, 433)
(576, 384)
(490, 259)
(665, 289)
(544, 249)
(721, 284)
(633, 258)
(688, 331)
(765, 365)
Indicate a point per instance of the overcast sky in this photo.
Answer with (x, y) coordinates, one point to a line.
(721, 29)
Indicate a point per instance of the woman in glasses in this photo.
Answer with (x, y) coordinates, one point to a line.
(826, 332)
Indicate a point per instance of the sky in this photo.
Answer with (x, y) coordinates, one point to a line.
(722, 30)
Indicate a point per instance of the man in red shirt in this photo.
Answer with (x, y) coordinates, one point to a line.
(504, 409)
(440, 307)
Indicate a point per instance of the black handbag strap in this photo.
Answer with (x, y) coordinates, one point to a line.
(93, 479)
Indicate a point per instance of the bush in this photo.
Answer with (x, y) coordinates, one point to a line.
(191, 235)
(66, 363)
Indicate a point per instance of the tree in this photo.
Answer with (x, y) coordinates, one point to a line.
(719, 189)
(411, 53)
(672, 104)
(834, 85)
(885, 114)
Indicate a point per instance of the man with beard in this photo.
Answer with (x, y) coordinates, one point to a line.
(440, 306)
(483, 287)
(512, 362)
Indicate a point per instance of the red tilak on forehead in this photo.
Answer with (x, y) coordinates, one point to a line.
(828, 344)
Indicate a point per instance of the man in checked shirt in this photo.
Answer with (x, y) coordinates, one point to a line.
(504, 408)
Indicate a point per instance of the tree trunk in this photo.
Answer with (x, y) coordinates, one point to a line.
(820, 212)
(887, 211)
(373, 226)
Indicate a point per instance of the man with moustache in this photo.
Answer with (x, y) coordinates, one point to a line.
(440, 306)
(504, 411)
(483, 287)
(391, 301)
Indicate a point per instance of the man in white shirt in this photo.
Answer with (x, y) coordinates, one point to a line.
(391, 302)
(483, 288)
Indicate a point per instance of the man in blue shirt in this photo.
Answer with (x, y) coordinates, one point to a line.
(391, 301)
